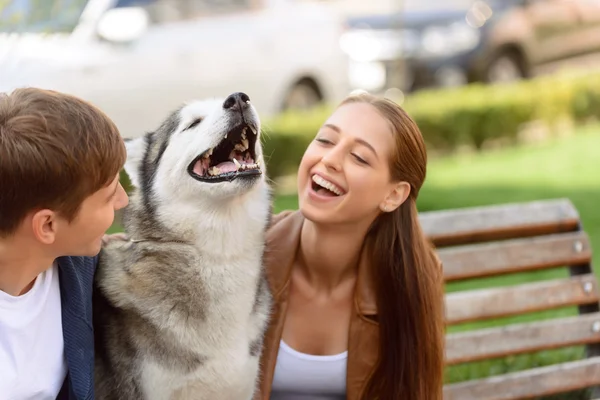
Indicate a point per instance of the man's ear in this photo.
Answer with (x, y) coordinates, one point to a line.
(44, 226)
(135, 156)
(397, 196)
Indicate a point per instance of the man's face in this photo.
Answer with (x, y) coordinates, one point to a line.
(83, 235)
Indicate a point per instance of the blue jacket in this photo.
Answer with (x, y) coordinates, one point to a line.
(76, 276)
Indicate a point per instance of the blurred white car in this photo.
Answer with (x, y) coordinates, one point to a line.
(139, 59)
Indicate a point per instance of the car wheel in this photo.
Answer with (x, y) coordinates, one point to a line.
(303, 96)
(503, 69)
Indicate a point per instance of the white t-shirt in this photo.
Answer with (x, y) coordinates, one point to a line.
(300, 376)
(32, 361)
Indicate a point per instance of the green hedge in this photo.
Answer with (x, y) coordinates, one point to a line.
(472, 115)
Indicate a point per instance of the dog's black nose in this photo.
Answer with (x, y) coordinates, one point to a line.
(236, 101)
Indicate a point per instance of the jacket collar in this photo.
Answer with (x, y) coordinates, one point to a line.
(283, 243)
(77, 327)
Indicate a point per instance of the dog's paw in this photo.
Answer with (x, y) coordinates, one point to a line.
(106, 239)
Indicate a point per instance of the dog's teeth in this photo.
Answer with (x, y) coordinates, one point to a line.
(210, 151)
(244, 133)
(240, 147)
(237, 163)
(214, 171)
(225, 136)
(245, 143)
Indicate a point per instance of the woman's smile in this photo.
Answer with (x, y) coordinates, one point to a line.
(321, 189)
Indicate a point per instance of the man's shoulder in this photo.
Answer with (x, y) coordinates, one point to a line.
(77, 276)
(83, 265)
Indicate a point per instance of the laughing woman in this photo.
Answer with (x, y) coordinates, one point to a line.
(358, 290)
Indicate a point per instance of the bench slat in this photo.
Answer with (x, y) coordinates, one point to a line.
(520, 299)
(487, 259)
(530, 383)
(522, 338)
(477, 224)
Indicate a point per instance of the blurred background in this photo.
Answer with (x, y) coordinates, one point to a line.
(506, 92)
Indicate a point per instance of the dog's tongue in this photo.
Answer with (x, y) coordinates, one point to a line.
(202, 166)
(227, 166)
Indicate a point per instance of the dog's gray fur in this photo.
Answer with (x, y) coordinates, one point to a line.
(180, 309)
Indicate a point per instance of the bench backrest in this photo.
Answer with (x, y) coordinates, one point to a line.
(489, 244)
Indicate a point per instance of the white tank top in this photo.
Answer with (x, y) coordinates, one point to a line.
(300, 376)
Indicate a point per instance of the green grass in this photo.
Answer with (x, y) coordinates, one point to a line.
(565, 167)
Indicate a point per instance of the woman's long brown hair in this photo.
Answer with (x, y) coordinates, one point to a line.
(408, 278)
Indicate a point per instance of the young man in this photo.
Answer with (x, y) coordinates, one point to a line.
(59, 163)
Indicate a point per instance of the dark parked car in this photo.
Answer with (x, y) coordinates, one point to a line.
(486, 41)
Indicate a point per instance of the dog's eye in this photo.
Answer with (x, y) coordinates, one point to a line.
(194, 124)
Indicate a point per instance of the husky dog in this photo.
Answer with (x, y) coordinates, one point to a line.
(181, 307)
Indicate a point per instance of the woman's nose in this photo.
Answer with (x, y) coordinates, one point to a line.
(333, 159)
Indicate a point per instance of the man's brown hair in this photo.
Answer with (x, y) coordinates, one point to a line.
(55, 150)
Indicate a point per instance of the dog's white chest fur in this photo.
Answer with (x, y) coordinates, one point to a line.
(228, 376)
(222, 339)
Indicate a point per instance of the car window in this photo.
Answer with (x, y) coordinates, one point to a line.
(162, 11)
(435, 5)
(40, 16)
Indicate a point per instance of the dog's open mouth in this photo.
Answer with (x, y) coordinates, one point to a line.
(234, 157)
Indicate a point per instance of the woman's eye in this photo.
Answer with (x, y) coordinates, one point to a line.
(360, 160)
(321, 140)
(194, 124)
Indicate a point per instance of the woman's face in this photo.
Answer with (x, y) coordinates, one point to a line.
(344, 175)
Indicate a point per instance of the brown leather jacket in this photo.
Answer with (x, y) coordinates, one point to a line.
(283, 239)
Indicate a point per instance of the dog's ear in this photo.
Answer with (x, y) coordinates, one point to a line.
(135, 156)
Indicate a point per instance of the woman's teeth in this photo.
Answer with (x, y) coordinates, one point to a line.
(326, 184)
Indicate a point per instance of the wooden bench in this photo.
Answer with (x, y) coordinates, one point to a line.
(483, 242)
